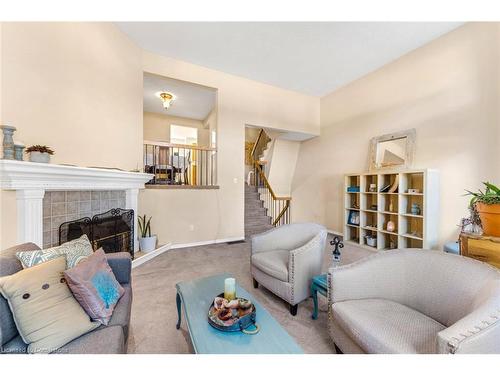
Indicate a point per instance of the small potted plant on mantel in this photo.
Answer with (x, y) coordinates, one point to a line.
(487, 204)
(39, 154)
(147, 242)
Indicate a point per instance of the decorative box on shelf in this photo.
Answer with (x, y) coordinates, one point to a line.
(483, 248)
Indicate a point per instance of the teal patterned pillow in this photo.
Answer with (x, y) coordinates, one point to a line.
(32, 258)
(74, 251)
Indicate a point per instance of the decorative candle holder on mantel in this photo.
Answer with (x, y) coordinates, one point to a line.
(18, 151)
(8, 141)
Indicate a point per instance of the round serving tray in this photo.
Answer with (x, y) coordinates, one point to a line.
(237, 324)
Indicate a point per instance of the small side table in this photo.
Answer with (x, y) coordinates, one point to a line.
(483, 248)
(319, 284)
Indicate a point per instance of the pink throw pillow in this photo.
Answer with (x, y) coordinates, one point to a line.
(95, 287)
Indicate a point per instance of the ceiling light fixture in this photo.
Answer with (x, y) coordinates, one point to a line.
(167, 98)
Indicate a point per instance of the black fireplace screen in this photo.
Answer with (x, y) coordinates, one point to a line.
(112, 230)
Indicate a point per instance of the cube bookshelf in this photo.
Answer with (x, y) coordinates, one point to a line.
(409, 199)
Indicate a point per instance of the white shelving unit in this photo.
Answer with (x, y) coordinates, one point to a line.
(377, 208)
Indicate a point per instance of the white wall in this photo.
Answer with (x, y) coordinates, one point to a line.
(157, 128)
(76, 87)
(220, 214)
(448, 90)
(282, 164)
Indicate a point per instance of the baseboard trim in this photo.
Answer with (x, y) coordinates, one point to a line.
(209, 242)
(169, 246)
(147, 257)
(230, 239)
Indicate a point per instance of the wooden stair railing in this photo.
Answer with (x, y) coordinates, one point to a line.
(278, 208)
(260, 145)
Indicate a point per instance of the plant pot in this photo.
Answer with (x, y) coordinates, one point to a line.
(147, 244)
(490, 218)
(39, 157)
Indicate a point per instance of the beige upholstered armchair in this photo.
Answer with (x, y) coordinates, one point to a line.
(284, 260)
(415, 301)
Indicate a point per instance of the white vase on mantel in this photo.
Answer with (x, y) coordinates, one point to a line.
(39, 157)
(147, 244)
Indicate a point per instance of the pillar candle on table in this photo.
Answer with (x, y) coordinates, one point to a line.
(230, 288)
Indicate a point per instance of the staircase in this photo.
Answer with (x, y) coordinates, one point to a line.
(263, 209)
(256, 219)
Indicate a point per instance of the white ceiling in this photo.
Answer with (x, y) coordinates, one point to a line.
(193, 101)
(314, 58)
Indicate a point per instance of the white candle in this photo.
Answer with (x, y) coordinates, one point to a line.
(230, 289)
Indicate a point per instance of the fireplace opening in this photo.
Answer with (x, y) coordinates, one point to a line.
(113, 231)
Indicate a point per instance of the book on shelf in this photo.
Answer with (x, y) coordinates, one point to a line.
(385, 188)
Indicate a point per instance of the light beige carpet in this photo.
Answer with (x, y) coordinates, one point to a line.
(154, 312)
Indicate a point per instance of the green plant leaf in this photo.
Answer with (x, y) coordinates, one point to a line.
(490, 196)
(144, 226)
(148, 228)
(141, 226)
(492, 187)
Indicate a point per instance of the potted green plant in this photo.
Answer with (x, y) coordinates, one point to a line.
(487, 204)
(39, 154)
(147, 242)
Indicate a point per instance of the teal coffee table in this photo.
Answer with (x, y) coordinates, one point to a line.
(196, 296)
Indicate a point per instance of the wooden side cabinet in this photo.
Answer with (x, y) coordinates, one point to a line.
(483, 248)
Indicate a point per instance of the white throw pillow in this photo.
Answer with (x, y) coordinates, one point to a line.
(46, 314)
(75, 251)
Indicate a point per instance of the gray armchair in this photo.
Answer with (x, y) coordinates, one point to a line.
(284, 260)
(415, 301)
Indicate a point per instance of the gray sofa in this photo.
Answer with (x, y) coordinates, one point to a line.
(111, 339)
(285, 259)
(415, 301)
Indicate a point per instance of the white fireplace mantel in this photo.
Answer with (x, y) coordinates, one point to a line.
(31, 180)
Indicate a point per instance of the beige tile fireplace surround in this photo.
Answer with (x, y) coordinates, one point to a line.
(62, 206)
(55, 193)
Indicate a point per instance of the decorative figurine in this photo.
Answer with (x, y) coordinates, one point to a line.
(415, 209)
(391, 226)
(8, 142)
(391, 206)
(336, 252)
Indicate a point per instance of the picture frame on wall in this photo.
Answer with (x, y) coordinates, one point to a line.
(353, 218)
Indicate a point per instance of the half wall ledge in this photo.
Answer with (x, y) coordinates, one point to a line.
(183, 187)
